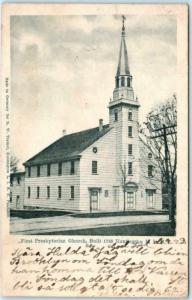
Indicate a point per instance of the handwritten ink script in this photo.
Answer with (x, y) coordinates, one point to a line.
(128, 269)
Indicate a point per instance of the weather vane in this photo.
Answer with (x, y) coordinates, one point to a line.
(123, 19)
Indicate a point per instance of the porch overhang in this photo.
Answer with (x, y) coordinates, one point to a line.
(95, 188)
(132, 186)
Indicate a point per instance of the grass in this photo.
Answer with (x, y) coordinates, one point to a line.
(119, 213)
(30, 214)
(152, 229)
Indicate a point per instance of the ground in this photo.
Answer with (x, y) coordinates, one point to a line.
(158, 229)
(123, 225)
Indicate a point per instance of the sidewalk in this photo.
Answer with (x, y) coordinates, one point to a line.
(66, 223)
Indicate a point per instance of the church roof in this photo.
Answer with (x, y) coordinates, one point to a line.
(123, 65)
(68, 147)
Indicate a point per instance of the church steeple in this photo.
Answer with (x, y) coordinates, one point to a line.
(123, 66)
(123, 117)
(123, 79)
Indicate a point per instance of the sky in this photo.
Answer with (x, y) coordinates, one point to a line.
(63, 69)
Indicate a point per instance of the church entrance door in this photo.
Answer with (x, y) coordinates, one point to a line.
(94, 199)
(131, 192)
(130, 203)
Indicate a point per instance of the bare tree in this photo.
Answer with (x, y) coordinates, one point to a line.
(159, 134)
(147, 159)
(123, 174)
(13, 164)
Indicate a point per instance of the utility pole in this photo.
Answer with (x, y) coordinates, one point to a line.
(164, 132)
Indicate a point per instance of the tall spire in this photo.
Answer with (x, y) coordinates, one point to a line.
(123, 79)
(123, 66)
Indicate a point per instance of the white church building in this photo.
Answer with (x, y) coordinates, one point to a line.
(106, 168)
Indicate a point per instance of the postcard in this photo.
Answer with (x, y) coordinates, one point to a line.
(94, 150)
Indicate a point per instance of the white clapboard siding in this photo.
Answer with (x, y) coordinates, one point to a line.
(122, 141)
(149, 183)
(53, 181)
(131, 140)
(17, 190)
(66, 167)
(106, 177)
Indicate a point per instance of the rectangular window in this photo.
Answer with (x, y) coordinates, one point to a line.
(72, 192)
(72, 167)
(29, 171)
(150, 171)
(130, 116)
(106, 193)
(11, 199)
(38, 192)
(130, 168)
(28, 192)
(11, 181)
(130, 149)
(38, 171)
(48, 191)
(150, 194)
(48, 170)
(60, 168)
(59, 192)
(130, 131)
(128, 82)
(116, 116)
(94, 167)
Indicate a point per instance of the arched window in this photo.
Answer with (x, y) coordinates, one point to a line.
(116, 116)
(122, 81)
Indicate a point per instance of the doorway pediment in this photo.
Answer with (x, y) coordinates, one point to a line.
(132, 186)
